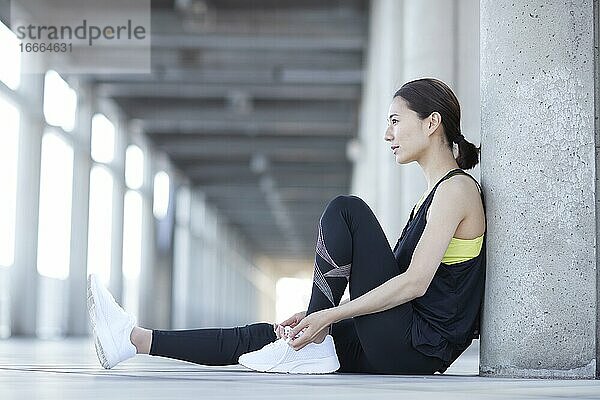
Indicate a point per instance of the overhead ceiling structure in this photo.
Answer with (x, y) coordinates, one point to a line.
(256, 102)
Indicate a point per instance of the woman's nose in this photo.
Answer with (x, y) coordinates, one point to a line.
(387, 136)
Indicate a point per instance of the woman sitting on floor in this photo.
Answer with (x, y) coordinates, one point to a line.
(412, 310)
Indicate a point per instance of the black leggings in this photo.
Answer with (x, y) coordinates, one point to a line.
(351, 247)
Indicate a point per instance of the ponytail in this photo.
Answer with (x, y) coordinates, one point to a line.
(468, 153)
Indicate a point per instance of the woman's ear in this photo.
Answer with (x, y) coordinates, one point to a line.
(433, 121)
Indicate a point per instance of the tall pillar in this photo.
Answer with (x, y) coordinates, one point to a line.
(391, 69)
(116, 281)
(538, 172)
(364, 173)
(376, 176)
(77, 315)
(182, 278)
(23, 273)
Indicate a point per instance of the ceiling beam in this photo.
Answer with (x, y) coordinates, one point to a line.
(249, 127)
(259, 42)
(212, 91)
(175, 58)
(235, 74)
(306, 153)
(224, 143)
(338, 112)
(299, 153)
(280, 169)
(338, 19)
(250, 191)
(246, 176)
(274, 164)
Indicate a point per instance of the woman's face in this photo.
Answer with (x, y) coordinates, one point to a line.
(405, 132)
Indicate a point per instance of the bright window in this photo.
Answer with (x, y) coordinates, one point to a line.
(292, 295)
(10, 67)
(9, 146)
(60, 102)
(56, 187)
(132, 249)
(103, 139)
(161, 195)
(100, 223)
(134, 167)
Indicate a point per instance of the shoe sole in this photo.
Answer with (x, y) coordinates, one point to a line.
(320, 366)
(103, 341)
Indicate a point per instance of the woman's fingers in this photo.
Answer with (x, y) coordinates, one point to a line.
(278, 331)
(297, 329)
(285, 323)
(298, 343)
(294, 319)
(289, 321)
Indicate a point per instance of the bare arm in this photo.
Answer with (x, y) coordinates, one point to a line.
(428, 254)
(392, 293)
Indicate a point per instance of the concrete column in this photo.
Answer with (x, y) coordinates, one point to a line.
(597, 157)
(162, 269)
(77, 311)
(376, 176)
(364, 176)
(157, 250)
(146, 294)
(23, 274)
(119, 189)
(538, 164)
(391, 70)
(181, 260)
(199, 298)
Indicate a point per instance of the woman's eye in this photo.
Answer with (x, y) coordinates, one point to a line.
(394, 121)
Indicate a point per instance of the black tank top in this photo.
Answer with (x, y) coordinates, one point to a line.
(446, 318)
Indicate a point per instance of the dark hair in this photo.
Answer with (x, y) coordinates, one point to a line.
(427, 95)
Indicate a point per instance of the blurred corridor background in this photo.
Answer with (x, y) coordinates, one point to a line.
(195, 190)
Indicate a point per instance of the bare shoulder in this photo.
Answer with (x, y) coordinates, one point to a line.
(461, 190)
(463, 183)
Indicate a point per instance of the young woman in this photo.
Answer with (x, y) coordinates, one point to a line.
(412, 310)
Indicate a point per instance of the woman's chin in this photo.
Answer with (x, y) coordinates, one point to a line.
(400, 159)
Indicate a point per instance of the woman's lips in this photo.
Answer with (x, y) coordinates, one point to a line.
(394, 148)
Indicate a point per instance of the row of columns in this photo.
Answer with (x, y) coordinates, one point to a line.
(32, 304)
(218, 282)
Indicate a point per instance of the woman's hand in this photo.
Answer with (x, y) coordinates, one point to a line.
(291, 321)
(312, 325)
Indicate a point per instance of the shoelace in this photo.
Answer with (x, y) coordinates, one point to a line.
(286, 332)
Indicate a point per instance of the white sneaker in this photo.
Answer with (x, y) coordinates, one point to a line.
(112, 326)
(279, 356)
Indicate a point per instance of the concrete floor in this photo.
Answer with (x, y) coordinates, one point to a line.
(36, 369)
